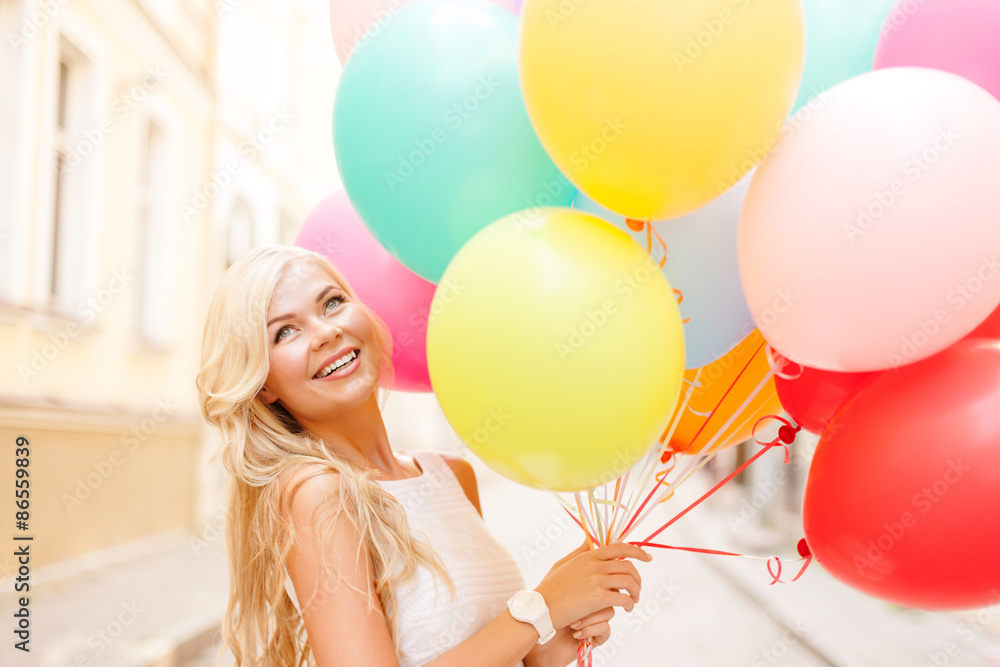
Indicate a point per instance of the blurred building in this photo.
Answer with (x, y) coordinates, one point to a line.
(145, 144)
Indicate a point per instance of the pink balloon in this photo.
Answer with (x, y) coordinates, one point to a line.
(353, 23)
(869, 238)
(396, 294)
(957, 36)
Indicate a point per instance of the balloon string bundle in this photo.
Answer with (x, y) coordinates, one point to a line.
(610, 513)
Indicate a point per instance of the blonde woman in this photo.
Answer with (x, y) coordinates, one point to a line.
(341, 551)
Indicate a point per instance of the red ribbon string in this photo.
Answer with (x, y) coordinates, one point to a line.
(695, 438)
(773, 563)
(783, 433)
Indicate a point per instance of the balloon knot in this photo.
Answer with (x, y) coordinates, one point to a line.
(787, 433)
(635, 225)
(804, 549)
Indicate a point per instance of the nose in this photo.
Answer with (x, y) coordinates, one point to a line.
(326, 330)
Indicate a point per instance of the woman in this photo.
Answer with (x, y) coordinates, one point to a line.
(389, 561)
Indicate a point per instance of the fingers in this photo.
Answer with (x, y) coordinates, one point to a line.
(622, 600)
(622, 550)
(601, 631)
(622, 567)
(597, 617)
(617, 582)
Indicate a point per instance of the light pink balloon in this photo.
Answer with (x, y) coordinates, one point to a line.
(870, 238)
(396, 294)
(350, 20)
(957, 36)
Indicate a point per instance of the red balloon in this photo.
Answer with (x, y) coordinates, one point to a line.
(902, 500)
(812, 398)
(990, 327)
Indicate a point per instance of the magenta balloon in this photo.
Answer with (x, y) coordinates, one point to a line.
(957, 36)
(396, 294)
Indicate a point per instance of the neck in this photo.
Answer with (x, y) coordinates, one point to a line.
(359, 435)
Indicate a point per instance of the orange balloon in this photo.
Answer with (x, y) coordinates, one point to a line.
(738, 372)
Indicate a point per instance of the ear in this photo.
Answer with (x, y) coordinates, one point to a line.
(267, 395)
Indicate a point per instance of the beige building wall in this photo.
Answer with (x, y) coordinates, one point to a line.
(100, 284)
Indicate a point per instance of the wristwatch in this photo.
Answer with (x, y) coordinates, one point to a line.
(529, 607)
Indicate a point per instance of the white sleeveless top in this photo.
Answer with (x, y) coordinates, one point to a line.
(483, 570)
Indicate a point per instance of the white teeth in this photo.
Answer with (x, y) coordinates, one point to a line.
(338, 364)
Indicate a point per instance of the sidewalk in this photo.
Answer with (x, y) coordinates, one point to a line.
(156, 610)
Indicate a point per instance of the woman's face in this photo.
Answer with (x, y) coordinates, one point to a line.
(311, 326)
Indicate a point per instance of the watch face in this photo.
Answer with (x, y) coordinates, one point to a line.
(534, 606)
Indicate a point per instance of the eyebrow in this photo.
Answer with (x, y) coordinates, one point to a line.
(290, 315)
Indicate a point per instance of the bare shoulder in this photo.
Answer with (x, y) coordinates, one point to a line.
(466, 477)
(307, 489)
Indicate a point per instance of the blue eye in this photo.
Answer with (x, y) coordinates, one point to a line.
(334, 298)
(278, 335)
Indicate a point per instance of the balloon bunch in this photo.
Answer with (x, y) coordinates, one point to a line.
(878, 218)
(602, 241)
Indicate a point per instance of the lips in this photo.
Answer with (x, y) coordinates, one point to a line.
(333, 358)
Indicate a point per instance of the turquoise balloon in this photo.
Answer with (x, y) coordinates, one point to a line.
(431, 134)
(701, 250)
(841, 36)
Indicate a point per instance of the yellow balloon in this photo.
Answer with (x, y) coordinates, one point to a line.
(655, 107)
(556, 349)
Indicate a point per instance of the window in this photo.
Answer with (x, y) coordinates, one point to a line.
(68, 177)
(155, 235)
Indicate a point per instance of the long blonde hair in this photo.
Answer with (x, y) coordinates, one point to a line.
(268, 456)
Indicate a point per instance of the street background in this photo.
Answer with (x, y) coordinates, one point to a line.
(144, 146)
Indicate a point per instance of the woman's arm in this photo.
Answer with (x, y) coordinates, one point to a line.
(344, 630)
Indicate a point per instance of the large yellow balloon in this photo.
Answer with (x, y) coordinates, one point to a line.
(723, 387)
(556, 349)
(655, 107)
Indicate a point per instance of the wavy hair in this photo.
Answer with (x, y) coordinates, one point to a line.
(268, 456)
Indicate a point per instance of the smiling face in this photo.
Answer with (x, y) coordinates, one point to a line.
(323, 351)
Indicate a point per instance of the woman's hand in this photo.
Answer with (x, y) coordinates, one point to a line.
(589, 581)
(562, 649)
